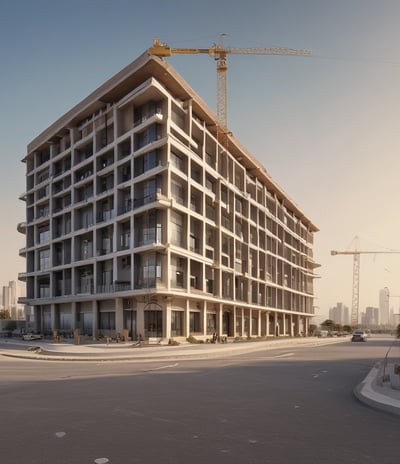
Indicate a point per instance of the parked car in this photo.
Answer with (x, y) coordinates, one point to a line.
(31, 336)
(359, 336)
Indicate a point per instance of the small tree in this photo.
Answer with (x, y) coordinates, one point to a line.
(312, 328)
(5, 314)
(328, 324)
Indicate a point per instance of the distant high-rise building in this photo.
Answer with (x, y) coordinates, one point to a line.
(371, 316)
(339, 314)
(384, 306)
(10, 300)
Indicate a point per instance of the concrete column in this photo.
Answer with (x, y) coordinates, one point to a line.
(259, 323)
(95, 319)
(306, 322)
(205, 318)
(73, 315)
(267, 324)
(140, 320)
(186, 320)
(219, 319)
(284, 324)
(250, 328)
(276, 326)
(166, 319)
(119, 316)
(291, 325)
(242, 324)
(54, 318)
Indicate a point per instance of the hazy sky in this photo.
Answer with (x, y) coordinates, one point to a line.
(327, 128)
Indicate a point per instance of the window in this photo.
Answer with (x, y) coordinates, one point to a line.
(44, 259)
(151, 269)
(107, 321)
(178, 192)
(177, 161)
(176, 323)
(177, 229)
(146, 162)
(195, 322)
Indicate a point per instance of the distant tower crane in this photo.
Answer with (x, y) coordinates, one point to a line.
(356, 276)
(219, 52)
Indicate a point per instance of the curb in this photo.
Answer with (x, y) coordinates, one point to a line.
(368, 393)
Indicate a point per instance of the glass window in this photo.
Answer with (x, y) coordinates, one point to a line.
(176, 323)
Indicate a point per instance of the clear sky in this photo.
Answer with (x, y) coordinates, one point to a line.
(327, 128)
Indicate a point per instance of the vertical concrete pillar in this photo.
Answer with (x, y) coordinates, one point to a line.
(140, 320)
(53, 315)
(119, 316)
(276, 324)
(259, 323)
(205, 318)
(95, 319)
(250, 326)
(186, 320)
(267, 324)
(234, 321)
(167, 311)
(73, 316)
(219, 319)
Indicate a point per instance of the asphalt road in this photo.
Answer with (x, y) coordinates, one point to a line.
(282, 406)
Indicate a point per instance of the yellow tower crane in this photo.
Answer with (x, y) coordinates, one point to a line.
(356, 276)
(219, 52)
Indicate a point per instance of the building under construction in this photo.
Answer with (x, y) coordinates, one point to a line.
(145, 218)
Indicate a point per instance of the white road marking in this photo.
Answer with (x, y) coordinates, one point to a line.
(60, 434)
(161, 367)
(283, 355)
(101, 461)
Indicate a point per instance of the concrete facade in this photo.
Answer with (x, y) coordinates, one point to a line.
(145, 217)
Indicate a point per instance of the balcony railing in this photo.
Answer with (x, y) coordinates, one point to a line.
(117, 286)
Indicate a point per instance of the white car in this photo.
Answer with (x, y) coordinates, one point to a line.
(359, 336)
(31, 336)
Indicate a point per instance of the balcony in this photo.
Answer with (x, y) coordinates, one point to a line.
(21, 227)
(85, 288)
(105, 216)
(117, 286)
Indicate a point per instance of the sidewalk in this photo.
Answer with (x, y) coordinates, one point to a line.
(380, 389)
(130, 351)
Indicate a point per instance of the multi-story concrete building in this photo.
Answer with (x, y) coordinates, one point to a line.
(143, 215)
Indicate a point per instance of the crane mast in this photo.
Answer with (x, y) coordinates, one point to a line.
(219, 52)
(356, 277)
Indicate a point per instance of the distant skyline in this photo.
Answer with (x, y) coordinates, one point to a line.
(326, 127)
